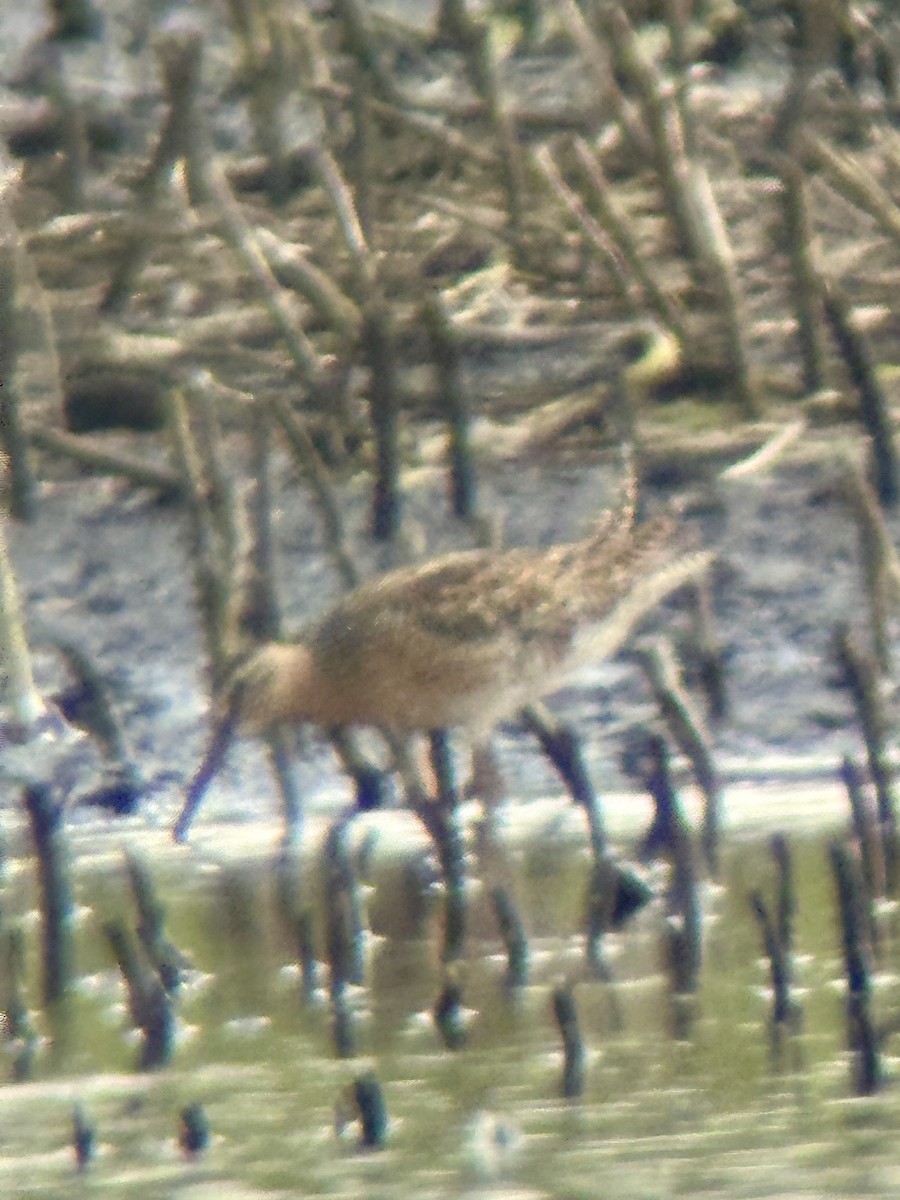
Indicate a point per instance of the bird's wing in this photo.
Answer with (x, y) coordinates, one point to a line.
(464, 598)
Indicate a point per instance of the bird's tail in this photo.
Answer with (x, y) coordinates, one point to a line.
(634, 588)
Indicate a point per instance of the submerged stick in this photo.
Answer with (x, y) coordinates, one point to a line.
(448, 1014)
(615, 893)
(860, 676)
(512, 932)
(572, 1085)
(561, 745)
(862, 1039)
(684, 929)
(45, 816)
(193, 1130)
(167, 960)
(669, 828)
(669, 837)
(18, 1031)
(373, 1117)
(84, 1138)
(148, 1002)
(779, 969)
(344, 907)
(778, 941)
(787, 894)
(784, 1015)
(686, 727)
(865, 828)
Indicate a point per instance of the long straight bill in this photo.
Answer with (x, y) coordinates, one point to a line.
(219, 745)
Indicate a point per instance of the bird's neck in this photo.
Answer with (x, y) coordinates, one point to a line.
(296, 690)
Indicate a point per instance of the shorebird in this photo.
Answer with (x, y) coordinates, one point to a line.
(463, 641)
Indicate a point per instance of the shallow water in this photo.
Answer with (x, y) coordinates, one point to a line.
(704, 1113)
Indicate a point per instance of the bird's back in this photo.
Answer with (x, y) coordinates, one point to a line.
(471, 637)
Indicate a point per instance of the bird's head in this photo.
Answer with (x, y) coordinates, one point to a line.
(275, 685)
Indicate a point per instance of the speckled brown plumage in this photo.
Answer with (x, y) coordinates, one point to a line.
(462, 641)
(468, 638)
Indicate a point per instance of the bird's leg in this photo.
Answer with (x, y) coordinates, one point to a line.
(485, 780)
(369, 780)
(412, 768)
(442, 766)
(292, 806)
(486, 784)
(616, 891)
(440, 816)
(560, 743)
(345, 929)
(442, 822)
